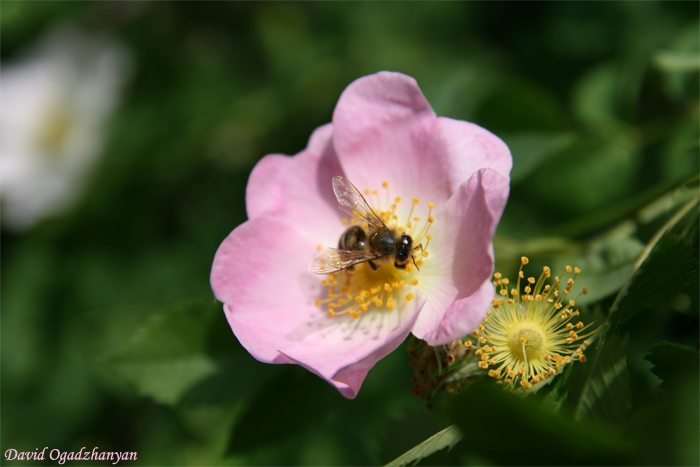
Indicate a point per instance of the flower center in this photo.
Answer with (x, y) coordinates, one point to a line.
(528, 337)
(380, 284)
(527, 341)
(55, 131)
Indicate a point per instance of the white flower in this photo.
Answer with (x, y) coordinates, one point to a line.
(54, 105)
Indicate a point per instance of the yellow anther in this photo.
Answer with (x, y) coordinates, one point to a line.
(577, 270)
(402, 283)
(467, 344)
(419, 263)
(482, 340)
(390, 304)
(424, 253)
(568, 268)
(398, 199)
(387, 287)
(325, 282)
(354, 314)
(414, 282)
(503, 292)
(521, 274)
(531, 280)
(416, 201)
(579, 325)
(431, 219)
(585, 291)
(410, 297)
(524, 260)
(431, 204)
(362, 307)
(428, 236)
(522, 340)
(582, 358)
(385, 184)
(570, 282)
(506, 281)
(330, 313)
(317, 302)
(497, 275)
(572, 303)
(484, 357)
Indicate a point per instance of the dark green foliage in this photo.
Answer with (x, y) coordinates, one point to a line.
(111, 336)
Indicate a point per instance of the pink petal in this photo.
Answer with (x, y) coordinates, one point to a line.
(260, 273)
(298, 189)
(385, 130)
(463, 316)
(461, 259)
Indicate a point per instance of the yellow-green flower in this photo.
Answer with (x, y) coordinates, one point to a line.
(528, 337)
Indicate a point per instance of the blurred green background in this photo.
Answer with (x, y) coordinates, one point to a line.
(111, 336)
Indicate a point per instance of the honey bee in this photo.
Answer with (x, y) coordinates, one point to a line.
(377, 245)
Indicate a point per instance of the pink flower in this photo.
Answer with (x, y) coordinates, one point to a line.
(385, 138)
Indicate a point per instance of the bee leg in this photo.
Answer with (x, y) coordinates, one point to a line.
(414, 262)
(420, 245)
(399, 266)
(372, 265)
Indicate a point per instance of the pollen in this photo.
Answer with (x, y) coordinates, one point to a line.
(362, 289)
(529, 338)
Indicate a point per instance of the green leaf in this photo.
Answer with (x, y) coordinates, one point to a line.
(677, 62)
(604, 392)
(596, 100)
(617, 313)
(167, 355)
(662, 276)
(531, 149)
(673, 363)
(293, 402)
(446, 438)
(587, 175)
(606, 263)
(507, 429)
(557, 395)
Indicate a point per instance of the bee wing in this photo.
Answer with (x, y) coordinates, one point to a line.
(352, 202)
(332, 260)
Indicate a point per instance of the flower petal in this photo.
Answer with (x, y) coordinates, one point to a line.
(461, 259)
(272, 312)
(363, 342)
(384, 128)
(298, 189)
